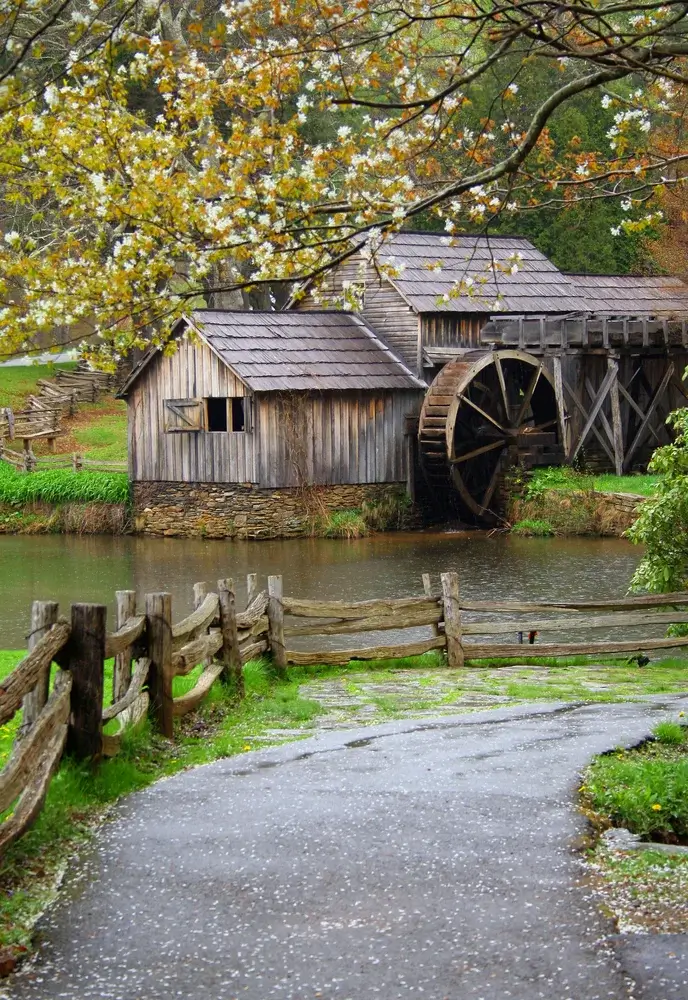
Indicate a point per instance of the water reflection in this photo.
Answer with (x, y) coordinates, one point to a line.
(68, 568)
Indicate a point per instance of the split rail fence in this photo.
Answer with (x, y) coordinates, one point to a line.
(149, 650)
(41, 419)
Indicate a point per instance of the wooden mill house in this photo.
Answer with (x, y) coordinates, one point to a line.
(259, 419)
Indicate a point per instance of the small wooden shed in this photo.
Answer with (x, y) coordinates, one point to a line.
(268, 401)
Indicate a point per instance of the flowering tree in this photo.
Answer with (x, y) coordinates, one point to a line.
(189, 154)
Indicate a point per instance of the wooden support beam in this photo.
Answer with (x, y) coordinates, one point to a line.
(609, 378)
(561, 405)
(641, 413)
(251, 587)
(86, 663)
(654, 403)
(606, 426)
(586, 416)
(43, 617)
(617, 430)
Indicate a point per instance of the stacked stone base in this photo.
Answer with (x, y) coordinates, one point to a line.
(228, 510)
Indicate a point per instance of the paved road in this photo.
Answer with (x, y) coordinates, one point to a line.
(414, 860)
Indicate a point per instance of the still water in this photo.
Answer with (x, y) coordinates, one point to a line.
(68, 568)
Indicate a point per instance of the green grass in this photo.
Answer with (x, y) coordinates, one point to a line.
(565, 478)
(644, 789)
(62, 486)
(100, 431)
(16, 383)
(531, 528)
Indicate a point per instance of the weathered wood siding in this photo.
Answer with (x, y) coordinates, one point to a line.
(193, 371)
(384, 309)
(452, 329)
(330, 438)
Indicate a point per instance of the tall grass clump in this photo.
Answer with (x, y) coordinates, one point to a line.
(343, 524)
(60, 486)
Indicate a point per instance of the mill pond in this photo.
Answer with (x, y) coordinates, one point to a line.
(68, 568)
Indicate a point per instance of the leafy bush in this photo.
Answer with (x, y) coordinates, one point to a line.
(62, 486)
(532, 528)
(662, 526)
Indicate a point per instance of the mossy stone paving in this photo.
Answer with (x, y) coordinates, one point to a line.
(364, 695)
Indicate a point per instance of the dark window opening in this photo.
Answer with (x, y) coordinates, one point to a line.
(238, 417)
(217, 413)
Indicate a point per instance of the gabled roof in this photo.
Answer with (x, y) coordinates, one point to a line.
(536, 287)
(320, 350)
(630, 295)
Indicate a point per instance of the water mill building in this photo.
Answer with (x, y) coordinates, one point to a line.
(472, 356)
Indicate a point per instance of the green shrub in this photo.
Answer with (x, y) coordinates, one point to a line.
(532, 528)
(669, 733)
(62, 486)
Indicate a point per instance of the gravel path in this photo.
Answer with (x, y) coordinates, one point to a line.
(431, 858)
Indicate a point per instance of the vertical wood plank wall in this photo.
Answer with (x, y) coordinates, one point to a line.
(329, 438)
(193, 371)
(298, 438)
(384, 309)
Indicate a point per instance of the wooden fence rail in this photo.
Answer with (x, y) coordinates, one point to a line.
(150, 650)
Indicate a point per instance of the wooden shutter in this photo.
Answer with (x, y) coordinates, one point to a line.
(183, 415)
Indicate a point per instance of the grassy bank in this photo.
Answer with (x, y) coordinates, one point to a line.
(560, 501)
(273, 711)
(60, 500)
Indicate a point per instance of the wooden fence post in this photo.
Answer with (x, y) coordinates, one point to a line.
(276, 624)
(230, 652)
(427, 590)
(43, 617)
(251, 587)
(121, 675)
(159, 622)
(200, 592)
(86, 656)
(452, 618)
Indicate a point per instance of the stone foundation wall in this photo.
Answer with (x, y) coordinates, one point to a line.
(217, 510)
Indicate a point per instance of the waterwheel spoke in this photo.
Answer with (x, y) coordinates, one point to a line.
(492, 485)
(529, 395)
(543, 427)
(477, 451)
(502, 386)
(483, 414)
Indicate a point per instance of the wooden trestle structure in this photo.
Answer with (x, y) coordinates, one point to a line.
(543, 390)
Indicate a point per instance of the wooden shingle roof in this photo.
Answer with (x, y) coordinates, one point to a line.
(630, 295)
(537, 286)
(284, 351)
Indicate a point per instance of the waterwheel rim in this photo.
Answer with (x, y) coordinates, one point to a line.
(487, 406)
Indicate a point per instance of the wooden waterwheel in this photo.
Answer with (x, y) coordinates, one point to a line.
(481, 415)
